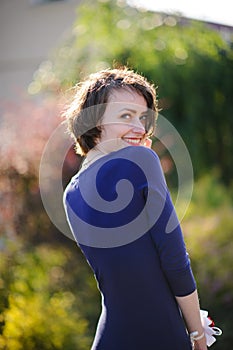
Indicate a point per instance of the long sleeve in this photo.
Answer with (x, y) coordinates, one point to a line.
(166, 232)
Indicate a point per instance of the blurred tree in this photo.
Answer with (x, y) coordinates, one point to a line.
(25, 129)
(42, 311)
(43, 288)
(191, 64)
(208, 231)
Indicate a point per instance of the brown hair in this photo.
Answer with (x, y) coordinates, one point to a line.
(83, 122)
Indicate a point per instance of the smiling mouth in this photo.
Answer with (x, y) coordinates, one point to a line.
(133, 141)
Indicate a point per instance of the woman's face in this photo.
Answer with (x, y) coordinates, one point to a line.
(125, 118)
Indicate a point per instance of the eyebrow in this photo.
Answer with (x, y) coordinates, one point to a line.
(132, 110)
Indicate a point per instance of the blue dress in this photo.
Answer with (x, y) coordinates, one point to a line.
(121, 215)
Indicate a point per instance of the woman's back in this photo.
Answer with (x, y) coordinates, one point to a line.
(139, 310)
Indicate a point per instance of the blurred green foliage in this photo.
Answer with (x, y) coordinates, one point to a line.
(208, 230)
(41, 307)
(48, 295)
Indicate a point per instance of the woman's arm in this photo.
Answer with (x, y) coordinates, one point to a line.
(189, 306)
(172, 251)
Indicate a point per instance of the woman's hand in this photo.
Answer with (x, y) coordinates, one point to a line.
(148, 143)
(200, 344)
(190, 308)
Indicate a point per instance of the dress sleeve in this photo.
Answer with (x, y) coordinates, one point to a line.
(166, 232)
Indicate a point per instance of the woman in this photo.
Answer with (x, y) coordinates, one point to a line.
(149, 296)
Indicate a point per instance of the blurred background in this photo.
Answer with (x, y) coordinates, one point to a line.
(48, 295)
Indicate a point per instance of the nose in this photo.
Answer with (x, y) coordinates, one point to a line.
(138, 127)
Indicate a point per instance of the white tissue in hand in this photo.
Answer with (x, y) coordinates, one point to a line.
(209, 331)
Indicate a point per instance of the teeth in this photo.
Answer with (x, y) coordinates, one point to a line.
(133, 141)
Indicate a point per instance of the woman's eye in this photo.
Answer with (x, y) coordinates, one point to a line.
(126, 116)
(143, 117)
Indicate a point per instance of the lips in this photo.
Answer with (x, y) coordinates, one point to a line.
(133, 141)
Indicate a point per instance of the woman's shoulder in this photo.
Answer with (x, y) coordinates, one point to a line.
(139, 151)
(146, 158)
(140, 155)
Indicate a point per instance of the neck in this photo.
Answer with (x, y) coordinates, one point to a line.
(93, 155)
(106, 147)
(101, 149)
